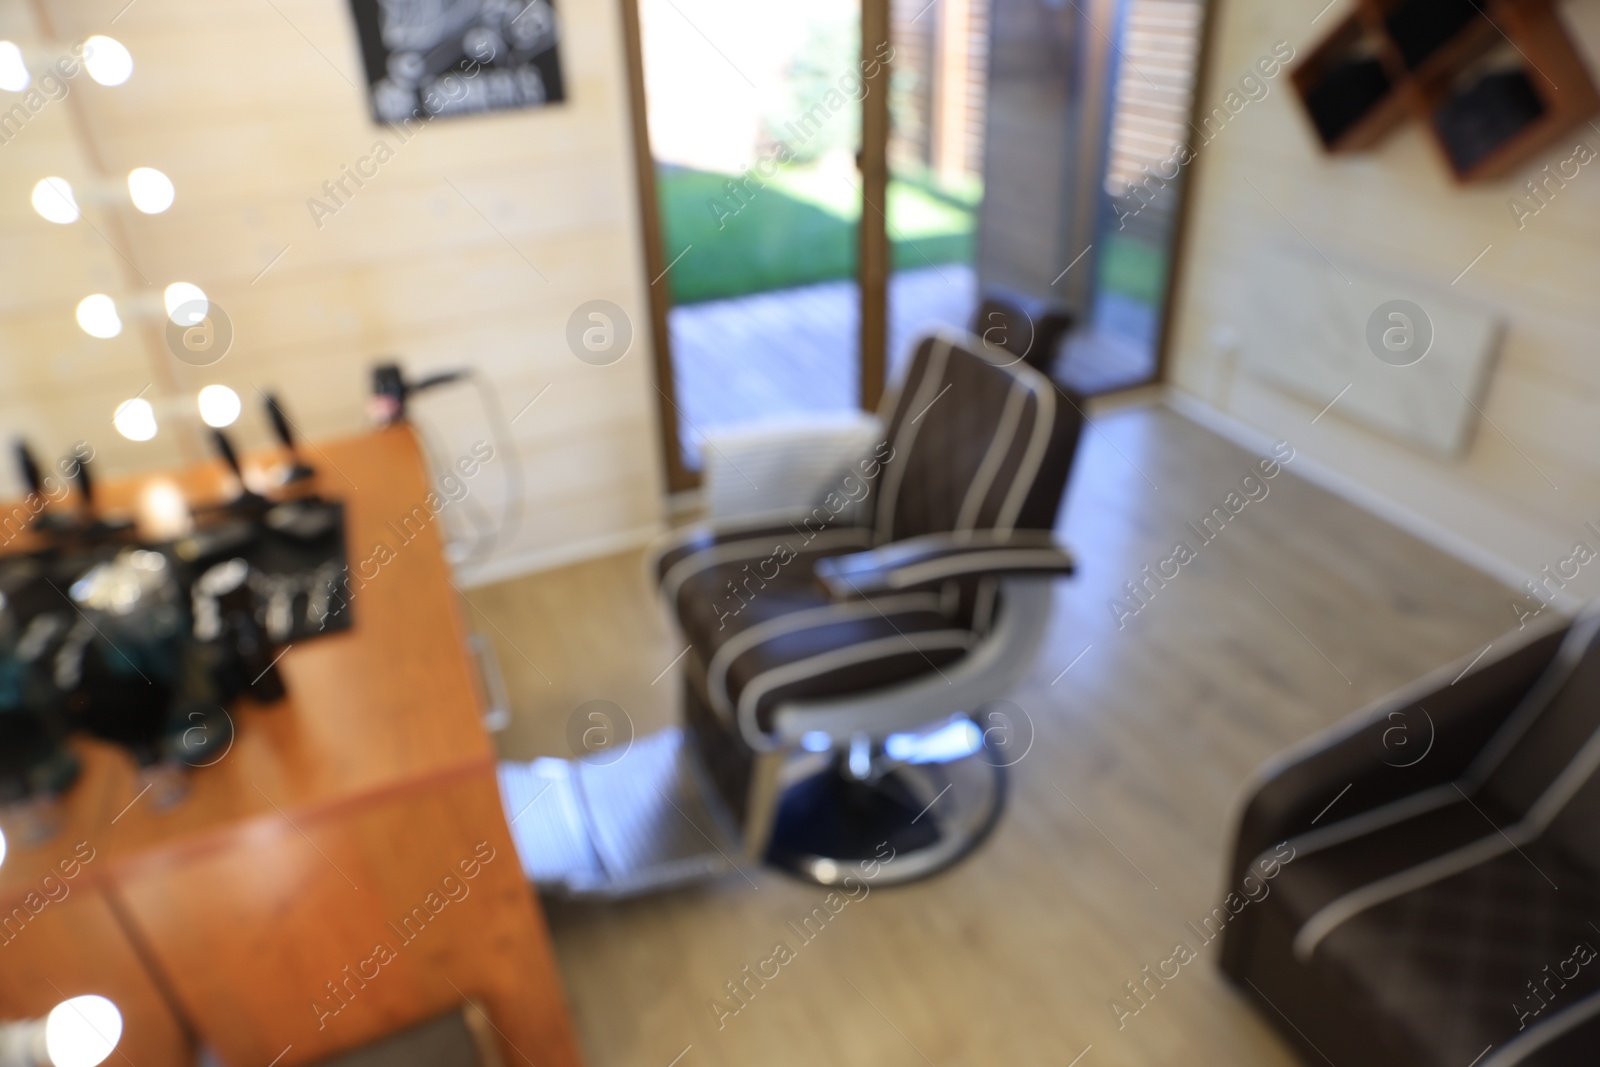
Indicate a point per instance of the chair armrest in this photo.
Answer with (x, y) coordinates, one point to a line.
(929, 562)
(759, 533)
(1424, 736)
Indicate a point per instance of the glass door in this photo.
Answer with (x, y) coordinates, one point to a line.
(935, 153)
(1151, 55)
(754, 116)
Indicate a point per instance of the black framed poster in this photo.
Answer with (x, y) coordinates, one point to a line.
(426, 58)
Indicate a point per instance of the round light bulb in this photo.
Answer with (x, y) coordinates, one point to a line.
(135, 419)
(106, 60)
(2, 847)
(97, 315)
(164, 510)
(53, 200)
(219, 406)
(82, 1032)
(152, 191)
(14, 75)
(180, 293)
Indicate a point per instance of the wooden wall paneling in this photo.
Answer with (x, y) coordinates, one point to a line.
(45, 354)
(388, 300)
(1396, 207)
(226, 242)
(396, 271)
(33, 240)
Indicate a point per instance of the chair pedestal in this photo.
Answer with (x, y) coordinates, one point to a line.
(925, 815)
(655, 819)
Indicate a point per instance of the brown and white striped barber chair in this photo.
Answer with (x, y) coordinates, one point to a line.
(841, 654)
(1445, 910)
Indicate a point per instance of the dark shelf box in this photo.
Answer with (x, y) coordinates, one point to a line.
(1419, 28)
(1347, 91)
(1476, 121)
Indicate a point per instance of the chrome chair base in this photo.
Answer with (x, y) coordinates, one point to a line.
(606, 828)
(912, 819)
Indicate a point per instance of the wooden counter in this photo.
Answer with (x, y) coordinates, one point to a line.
(266, 915)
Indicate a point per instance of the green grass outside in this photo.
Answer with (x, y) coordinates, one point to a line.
(1133, 268)
(799, 228)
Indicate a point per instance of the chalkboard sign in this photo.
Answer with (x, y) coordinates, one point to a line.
(426, 58)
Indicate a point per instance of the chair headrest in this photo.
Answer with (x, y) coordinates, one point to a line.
(980, 440)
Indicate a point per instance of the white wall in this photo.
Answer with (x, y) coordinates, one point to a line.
(1519, 498)
(250, 108)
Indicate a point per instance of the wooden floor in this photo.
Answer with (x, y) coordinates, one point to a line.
(1303, 610)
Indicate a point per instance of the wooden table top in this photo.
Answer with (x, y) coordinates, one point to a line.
(392, 702)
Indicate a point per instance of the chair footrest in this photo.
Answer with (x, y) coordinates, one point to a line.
(609, 827)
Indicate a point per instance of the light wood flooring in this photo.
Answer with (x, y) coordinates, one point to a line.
(1301, 612)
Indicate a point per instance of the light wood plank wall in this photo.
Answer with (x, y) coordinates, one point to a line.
(437, 260)
(1520, 497)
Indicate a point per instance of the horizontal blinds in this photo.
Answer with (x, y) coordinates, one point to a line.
(1155, 88)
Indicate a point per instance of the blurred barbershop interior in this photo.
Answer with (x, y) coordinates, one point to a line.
(690, 533)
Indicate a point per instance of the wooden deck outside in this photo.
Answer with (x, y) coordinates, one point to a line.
(794, 350)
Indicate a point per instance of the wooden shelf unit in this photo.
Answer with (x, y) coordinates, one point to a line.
(1529, 32)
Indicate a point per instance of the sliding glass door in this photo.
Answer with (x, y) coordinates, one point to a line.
(1150, 52)
(755, 124)
(825, 181)
(935, 153)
